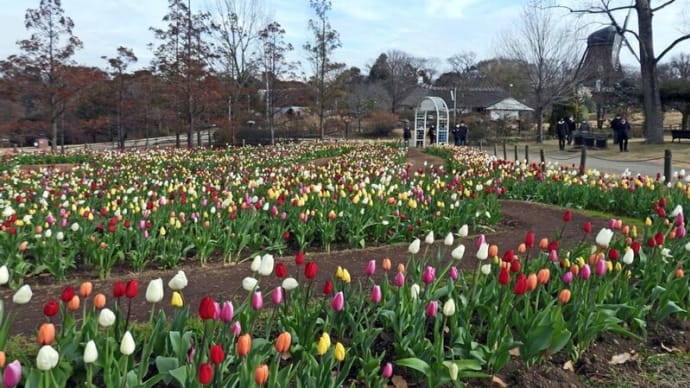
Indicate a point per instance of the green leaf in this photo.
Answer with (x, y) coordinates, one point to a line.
(416, 364)
(180, 374)
(669, 308)
(166, 364)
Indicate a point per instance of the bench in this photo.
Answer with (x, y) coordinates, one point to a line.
(679, 134)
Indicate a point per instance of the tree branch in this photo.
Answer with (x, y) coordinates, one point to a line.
(663, 5)
(670, 47)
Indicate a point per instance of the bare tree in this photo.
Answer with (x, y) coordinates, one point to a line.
(118, 66)
(462, 62)
(548, 52)
(681, 65)
(397, 71)
(649, 60)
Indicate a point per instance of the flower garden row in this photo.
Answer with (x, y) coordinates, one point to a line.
(416, 316)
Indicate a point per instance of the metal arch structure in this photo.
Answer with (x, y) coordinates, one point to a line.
(431, 110)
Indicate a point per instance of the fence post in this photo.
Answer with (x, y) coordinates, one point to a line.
(583, 160)
(505, 154)
(667, 166)
(526, 153)
(516, 153)
(495, 150)
(543, 159)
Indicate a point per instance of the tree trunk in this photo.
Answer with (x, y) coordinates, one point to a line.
(685, 114)
(654, 117)
(540, 124)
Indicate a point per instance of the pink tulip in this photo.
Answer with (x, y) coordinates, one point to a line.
(190, 354)
(12, 374)
(216, 311)
(257, 300)
(227, 311)
(600, 270)
(454, 273)
(371, 267)
(338, 301)
(680, 232)
(432, 308)
(585, 272)
(376, 294)
(480, 240)
(399, 280)
(567, 277)
(387, 371)
(63, 222)
(429, 275)
(553, 255)
(236, 329)
(680, 219)
(277, 295)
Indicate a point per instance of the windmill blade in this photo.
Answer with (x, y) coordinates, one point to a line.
(622, 34)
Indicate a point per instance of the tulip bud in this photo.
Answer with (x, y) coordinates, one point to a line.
(277, 295)
(12, 374)
(85, 289)
(266, 267)
(178, 282)
(629, 256)
(387, 371)
(370, 268)
(414, 246)
(399, 279)
(4, 275)
(47, 358)
(429, 275)
(236, 329)
(176, 299)
(483, 251)
(604, 237)
(323, 344)
(458, 252)
(154, 291)
(414, 291)
(376, 294)
(453, 273)
(338, 302)
(429, 239)
(127, 345)
(432, 308)
(448, 241)
(90, 352)
(46, 334)
(227, 312)
(290, 284)
(485, 269)
(23, 295)
(449, 307)
(453, 371)
(257, 300)
(106, 318)
(249, 283)
(339, 352)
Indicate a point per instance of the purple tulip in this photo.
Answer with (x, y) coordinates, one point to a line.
(680, 219)
(567, 277)
(680, 232)
(12, 375)
(371, 267)
(600, 270)
(387, 371)
(190, 354)
(338, 301)
(277, 295)
(236, 329)
(585, 272)
(399, 280)
(432, 308)
(429, 274)
(454, 273)
(376, 294)
(257, 300)
(227, 312)
(480, 240)
(63, 223)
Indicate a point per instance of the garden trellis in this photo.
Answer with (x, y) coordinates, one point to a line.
(431, 110)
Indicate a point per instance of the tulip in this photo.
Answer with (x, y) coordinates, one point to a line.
(106, 318)
(338, 302)
(386, 264)
(323, 344)
(339, 352)
(387, 371)
(176, 299)
(532, 281)
(4, 275)
(290, 284)
(236, 329)
(47, 358)
(432, 308)
(564, 296)
(414, 246)
(244, 345)
(370, 268)
(85, 289)
(12, 374)
(283, 342)
(458, 252)
(67, 294)
(504, 276)
(553, 255)
(73, 304)
(529, 239)
(493, 251)
(23, 295)
(629, 256)
(567, 216)
(448, 241)
(454, 273)
(376, 294)
(429, 275)
(463, 231)
(310, 270)
(249, 283)
(483, 251)
(567, 277)
(227, 312)
(154, 291)
(585, 272)
(257, 300)
(520, 284)
(414, 291)
(127, 344)
(256, 264)
(207, 308)
(266, 267)
(429, 239)
(178, 282)
(327, 287)
(90, 352)
(453, 371)
(132, 289)
(205, 373)
(216, 354)
(281, 270)
(261, 374)
(399, 279)
(299, 258)
(46, 334)
(51, 308)
(604, 236)
(346, 276)
(601, 267)
(119, 289)
(449, 307)
(543, 276)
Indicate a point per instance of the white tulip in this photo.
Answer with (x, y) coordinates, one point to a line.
(414, 291)
(90, 352)
(154, 291)
(266, 267)
(47, 358)
(106, 317)
(7, 212)
(23, 295)
(483, 251)
(48, 233)
(448, 241)
(453, 371)
(414, 246)
(604, 237)
(449, 307)
(60, 236)
(4, 275)
(677, 210)
(74, 227)
(256, 264)
(486, 269)
(628, 256)
(178, 282)
(289, 284)
(429, 239)
(127, 344)
(249, 283)
(687, 247)
(665, 252)
(458, 252)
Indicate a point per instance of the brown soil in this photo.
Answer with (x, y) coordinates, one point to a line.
(664, 343)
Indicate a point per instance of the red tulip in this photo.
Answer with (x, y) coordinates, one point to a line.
(67, 294)
(588, 227)
(207, 308)
(310, 270)
(217, 354)
(567, 216)
(614, 254)
(51, 308)
(662, 202)
(504, 276)
(636, 245)
(205, 373)
(280, 270)
(509, 255)
(119, 289)
(529, 240)
(659, 238)
(328, 287)
(132, 289)
(520, 284)
(299, 259)
(515, 266)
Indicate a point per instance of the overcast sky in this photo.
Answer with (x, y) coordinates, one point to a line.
(423, 28)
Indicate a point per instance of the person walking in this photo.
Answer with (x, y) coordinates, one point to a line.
(622, 131)
(407, 134)
(464, 133)
(561, 131)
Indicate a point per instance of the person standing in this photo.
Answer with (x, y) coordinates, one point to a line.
(622, 131)
(615, 123)
(456, 134)
(584, 126)
(561, 131)
(464, 133)
(407, 134)
(432, 134)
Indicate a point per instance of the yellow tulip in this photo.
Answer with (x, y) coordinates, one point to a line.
(346, 276)
(339, 352)
(324, 344)
(176, 300)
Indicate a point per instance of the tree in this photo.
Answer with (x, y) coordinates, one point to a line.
(548, 53)
(44, 56)
(398, 72)
(675, 87)
(118, 66)
(649, 60)
(274, 65)
(319, 52)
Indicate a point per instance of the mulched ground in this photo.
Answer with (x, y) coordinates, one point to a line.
(224, 282)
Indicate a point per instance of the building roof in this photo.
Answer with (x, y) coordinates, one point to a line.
(509, 104)
(472, 98)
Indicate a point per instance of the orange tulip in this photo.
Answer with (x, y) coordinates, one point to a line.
(85, 289)
(46, 334)
(23, 245)
(625, 230)
(532, 282)
(401, 267)
(575, 269)
(261, 374)
(564, 296)
(679, 273)
(99, 301)
(592, 260)
(522, 248)
(672, 234)
(244, 345)
(386, 264)
(543, 276)
(493, 250)
(74, 303)
(3, 359)
(283, 342)
(544, 243)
